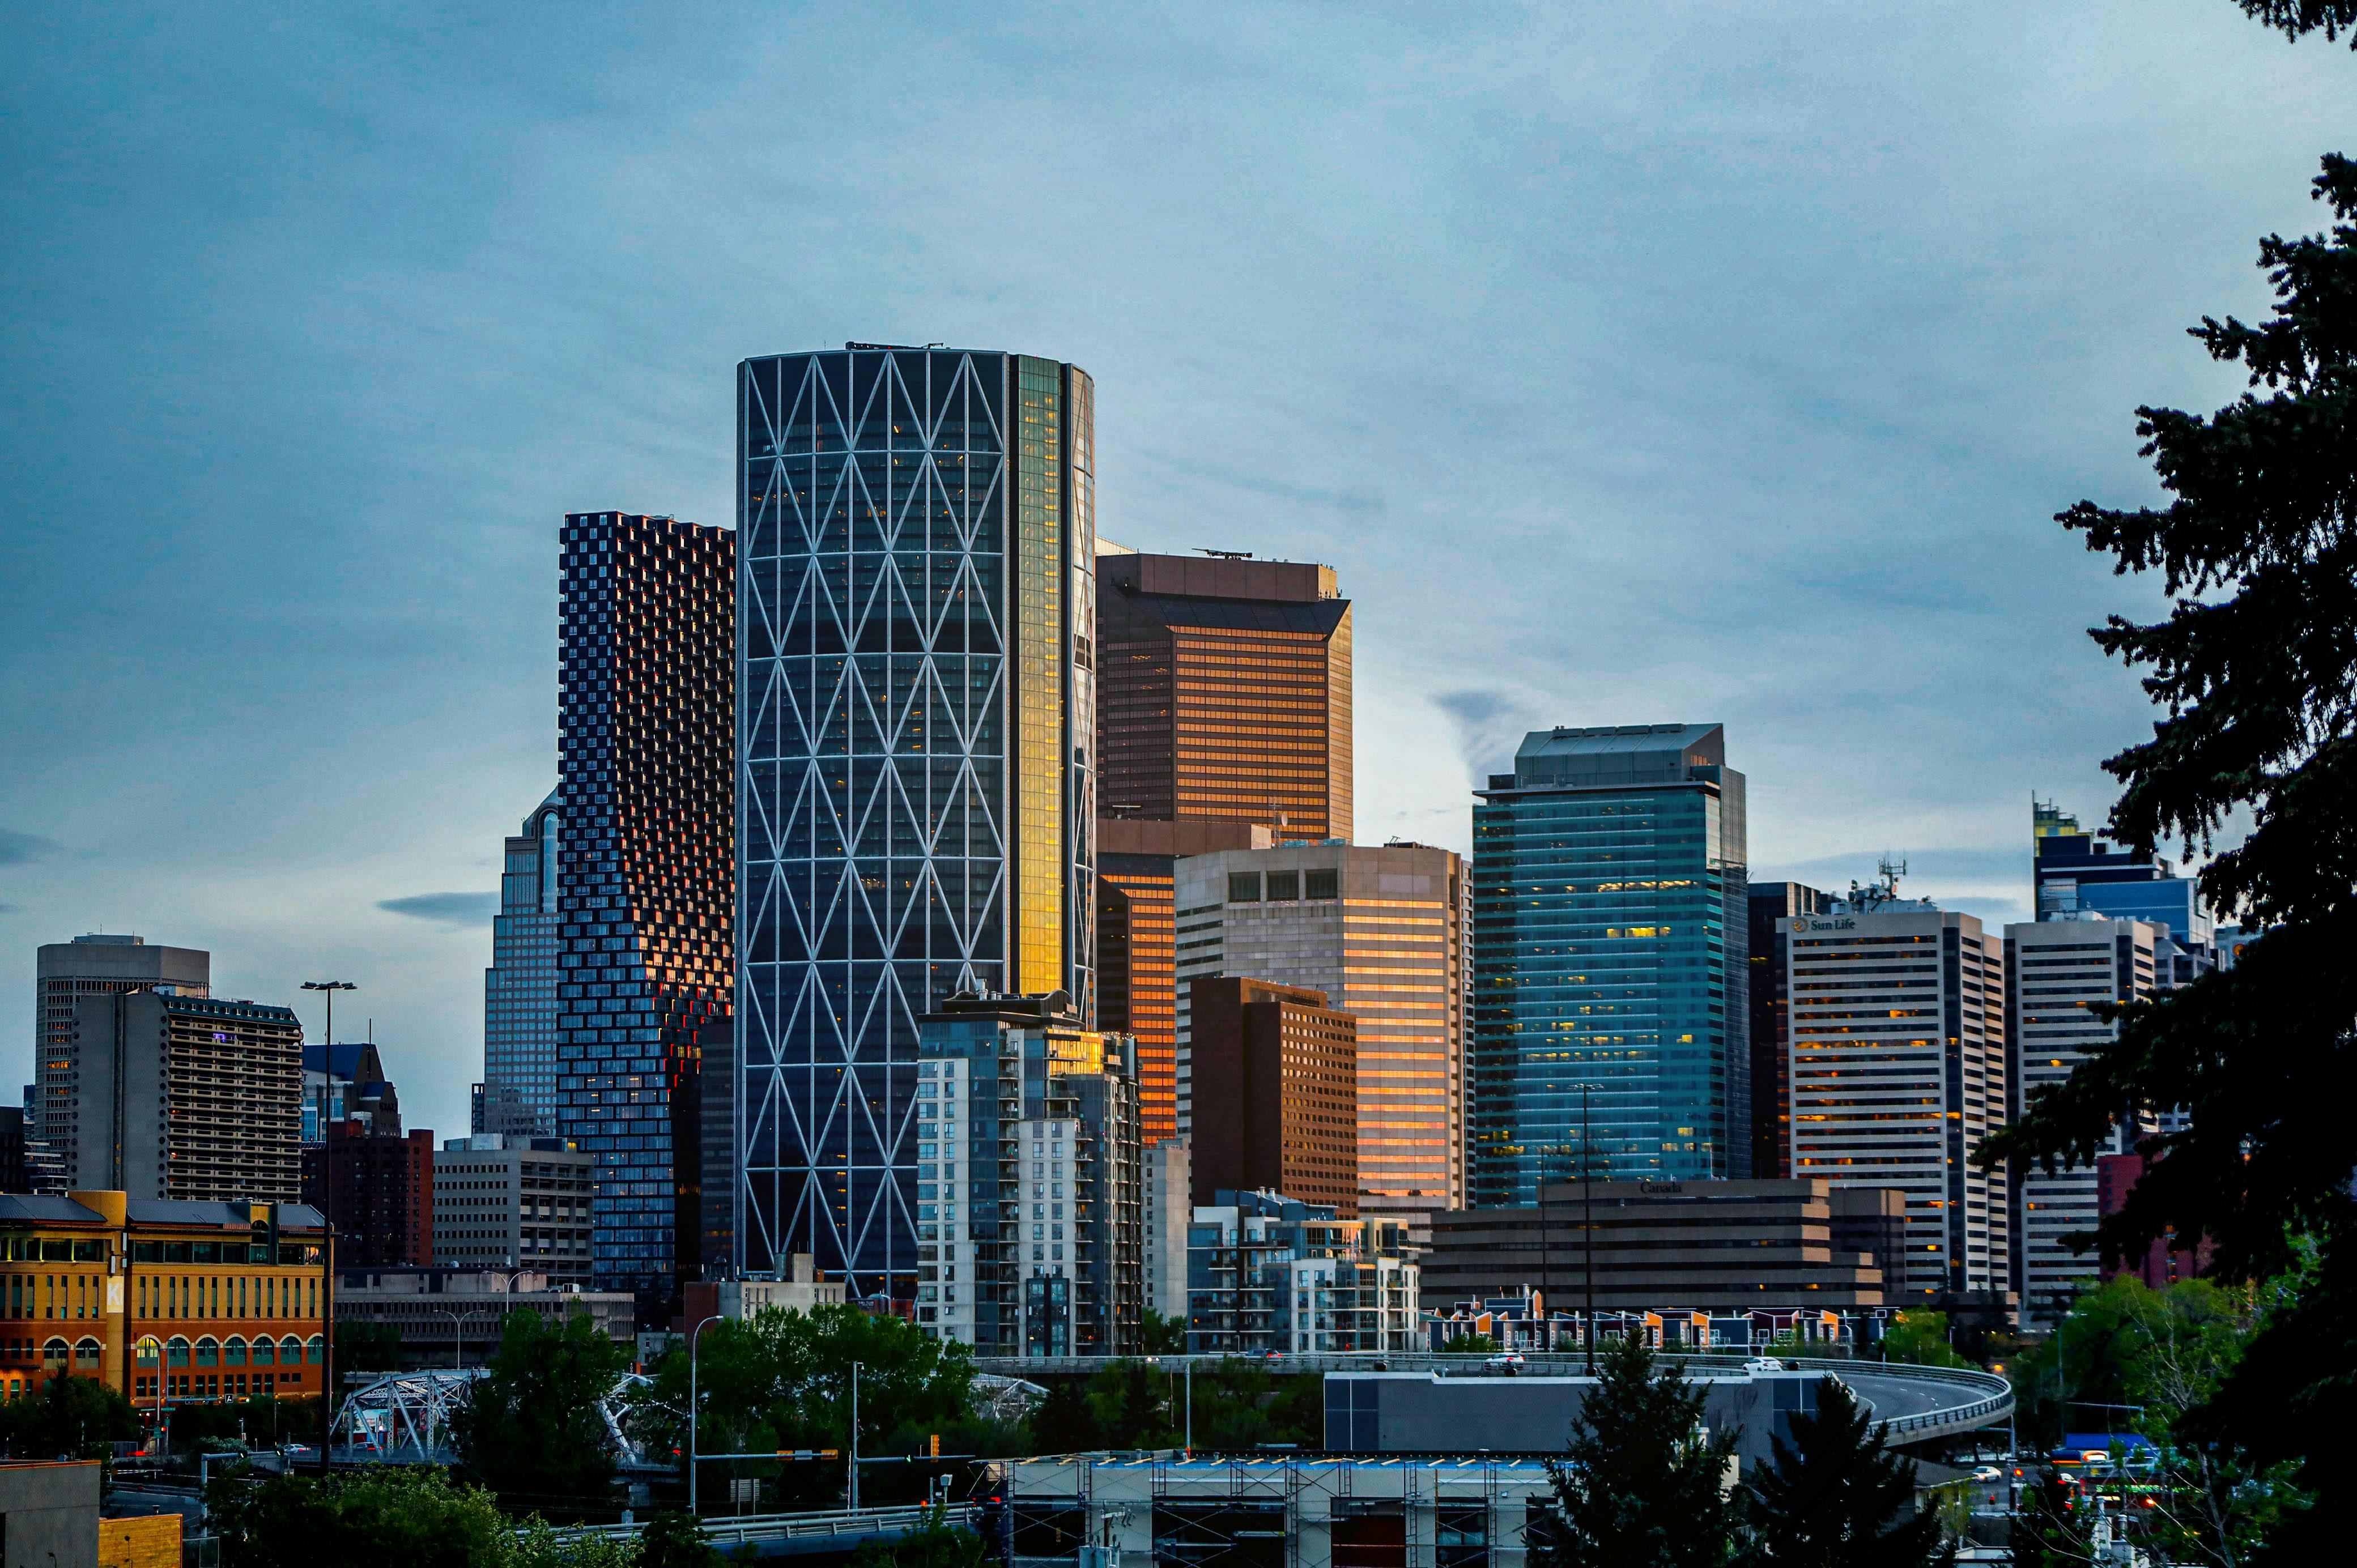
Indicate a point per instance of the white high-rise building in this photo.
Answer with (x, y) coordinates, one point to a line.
(1169, 1170)
(65, 972)
(2058, 970)
(1898, 1068)
(1382, 932)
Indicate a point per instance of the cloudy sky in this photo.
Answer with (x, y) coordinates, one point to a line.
(1683, 362)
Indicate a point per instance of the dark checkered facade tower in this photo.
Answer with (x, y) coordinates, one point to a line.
(646, 871)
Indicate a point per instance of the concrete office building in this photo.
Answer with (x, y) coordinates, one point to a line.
(1382, 932)
(1282, 1067)
(1771, 1040)
(520, 1010)
(184, 1097)
(1028, 1231)
(2055, 971)
(1169, 1207)
(1225, 691)
(918, 712)
(646, 878)
(1267, 1273)
(1899, 1073)
(1137, 954)
(501, 1201)
(66, 972)
(1716, 1246)
(450, 1317)
(1609, 926)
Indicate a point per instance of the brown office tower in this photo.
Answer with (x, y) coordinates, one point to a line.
(381, 1190)
(1137, 937)
(1770, 1110)
(1224, 690)
(1277, 1093)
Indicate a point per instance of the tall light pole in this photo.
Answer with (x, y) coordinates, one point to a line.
(328, 1242)
(692, 1336)
(853, 1447)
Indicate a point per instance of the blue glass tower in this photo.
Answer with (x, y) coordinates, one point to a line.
(916, 708)
(517, 1093)
(1609, 943)
(2077, 873)
(645, 875)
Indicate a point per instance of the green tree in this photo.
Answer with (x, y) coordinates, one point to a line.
(673, 1539)
(362, 1347)
(415, 1516)
(70, 1418)
(1921, 1337)
(2256, 670)
(2050, 1528)
(1160, 1336)
(2294, 17)
(1836, 1496)
(1131, 1403)
(1469, 1345)
(783, 1380)
(532, 1428)
(1641, 1484)
(939, 1544)
(1066, 1421)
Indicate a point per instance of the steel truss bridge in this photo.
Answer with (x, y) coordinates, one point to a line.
(404, 1418)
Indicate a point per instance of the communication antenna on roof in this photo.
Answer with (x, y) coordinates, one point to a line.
(1225, 554)
(1889, 872)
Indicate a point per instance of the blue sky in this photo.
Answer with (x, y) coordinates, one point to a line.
(1718, 362)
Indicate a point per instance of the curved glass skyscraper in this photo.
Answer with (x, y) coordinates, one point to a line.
(916, 706)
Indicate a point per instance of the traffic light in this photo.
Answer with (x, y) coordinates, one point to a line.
(937, 1446)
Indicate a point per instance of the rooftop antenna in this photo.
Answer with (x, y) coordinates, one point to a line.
(1889, 872)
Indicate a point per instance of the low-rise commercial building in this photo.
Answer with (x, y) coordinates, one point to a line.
(1717, 1246)
(506, 1201)
(1325, 1511)
(450, 1317)
(164, 1300)
(1267, 1273)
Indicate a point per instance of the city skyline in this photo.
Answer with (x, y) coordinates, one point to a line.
(318, 720)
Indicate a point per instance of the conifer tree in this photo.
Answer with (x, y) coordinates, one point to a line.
(1641, 1484)
(1837, 1497)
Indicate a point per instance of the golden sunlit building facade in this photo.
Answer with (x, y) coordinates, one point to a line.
(165, 1300)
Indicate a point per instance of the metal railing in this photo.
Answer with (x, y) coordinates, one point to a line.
(898, 1519)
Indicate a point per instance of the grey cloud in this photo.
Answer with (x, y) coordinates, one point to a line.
(16, 848)
(444, 908)
(1491, 722)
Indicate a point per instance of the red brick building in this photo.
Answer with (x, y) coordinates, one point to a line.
(1277, 1093)
(378, 1193)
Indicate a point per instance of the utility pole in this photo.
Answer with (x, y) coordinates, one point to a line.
(854, 1446)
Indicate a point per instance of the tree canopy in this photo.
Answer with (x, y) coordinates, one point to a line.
(531, 1429)
(1641, 1483)
(1836, 1496)
(2254, 668)
(2294, 17)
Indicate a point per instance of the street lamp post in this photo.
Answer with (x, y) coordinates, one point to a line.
(459, 1328)
(692, 1335)
(328, 1242)
(852, 1447)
